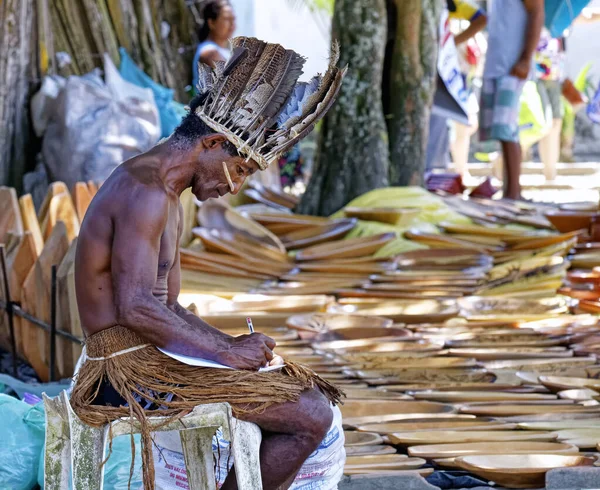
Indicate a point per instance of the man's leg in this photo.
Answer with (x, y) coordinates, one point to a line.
(505, 128)
(512, 169)
(291, 433)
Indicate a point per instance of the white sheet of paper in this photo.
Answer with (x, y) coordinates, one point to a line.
(197, 361)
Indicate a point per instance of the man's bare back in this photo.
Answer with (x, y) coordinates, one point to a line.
(128, 190)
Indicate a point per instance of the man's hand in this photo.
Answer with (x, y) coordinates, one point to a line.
(250, 352)
(521, 69)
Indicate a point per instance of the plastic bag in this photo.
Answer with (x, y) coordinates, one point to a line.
(90, 131)
(321, 471)
(171, 112)
(22, 435)
(535, 120)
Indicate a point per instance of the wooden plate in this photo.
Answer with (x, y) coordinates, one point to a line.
(317, 234)
(353, 333)
(560, 383)
(343, 249)
(448, 437)
(373, 345)
(263, 199)
(519, 471)
(423, 472)
(219, 215)
(478, 396)
(402, 311)
(580, 395)
(463, 425)
(365, 450)
(496, 231)
(393, 216)
(324, 322)
(593, 423)
(359, 412)
(472, 448)
(372, 394)
(362, 439)
(508, 353)
(449, 375)
(515, 410)
(489, 306)
(356, 464)
(446, 257)
(414, 363)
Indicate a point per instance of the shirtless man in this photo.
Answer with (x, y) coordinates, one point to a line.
(128, 274)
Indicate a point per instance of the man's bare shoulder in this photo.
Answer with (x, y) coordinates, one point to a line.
(134, 192)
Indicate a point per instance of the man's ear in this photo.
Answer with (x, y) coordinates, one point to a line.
(212, 141)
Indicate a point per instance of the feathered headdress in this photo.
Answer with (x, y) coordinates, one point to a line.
(256, 101)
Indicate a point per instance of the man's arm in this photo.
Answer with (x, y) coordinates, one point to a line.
(535, 11)
(134, 263)
(476, 25)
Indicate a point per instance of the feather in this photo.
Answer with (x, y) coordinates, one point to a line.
(294, 108)
(282, 88)
(299, 131)
(205, 78)
(238, 79)
(272, 60)
(237, 56)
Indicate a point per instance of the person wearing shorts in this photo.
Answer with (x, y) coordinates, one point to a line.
(514, 31)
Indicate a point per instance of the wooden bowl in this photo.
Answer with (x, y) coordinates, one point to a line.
(393, 216)
(324, 322)
(346, 249)
(454, 450)
(479, 396)
(532, 409)
(463, 425)
(366, 450)
(358, 412)
(354, 333)
(579, 395)
(519, 471)
(353, 438)
(401, 311)
(567, 221)
(561, 383)
(355, 464)
(219, 215)
(315, 235)
(415, 438)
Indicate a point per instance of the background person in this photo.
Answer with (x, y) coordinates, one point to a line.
(514, 32)
(214, 35)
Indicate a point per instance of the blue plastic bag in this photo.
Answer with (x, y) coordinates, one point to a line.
(171, 112)
(22, 434)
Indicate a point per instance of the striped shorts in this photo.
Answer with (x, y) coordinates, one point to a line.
(500, 106)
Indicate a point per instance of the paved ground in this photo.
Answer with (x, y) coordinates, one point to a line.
(576, 182)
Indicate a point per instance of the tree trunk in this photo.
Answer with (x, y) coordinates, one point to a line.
(413, 82)
(16, 24)
(353, 150)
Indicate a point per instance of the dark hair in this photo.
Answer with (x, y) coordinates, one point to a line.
(211, 11)
(192, 128)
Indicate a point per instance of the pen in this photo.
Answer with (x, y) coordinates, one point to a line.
(250, 326)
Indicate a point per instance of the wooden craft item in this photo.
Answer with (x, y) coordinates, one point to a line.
(82, 199)
(61, 209)
(30, 221)
(36, 299)
(10, 215)
(54, 189)
(19, 267)
(64, 315)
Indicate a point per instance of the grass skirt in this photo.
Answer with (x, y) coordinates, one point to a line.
(176, 387)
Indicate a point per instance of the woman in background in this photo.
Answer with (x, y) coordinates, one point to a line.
(214, 35)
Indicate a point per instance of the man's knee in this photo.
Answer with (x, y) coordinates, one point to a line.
(317, 415)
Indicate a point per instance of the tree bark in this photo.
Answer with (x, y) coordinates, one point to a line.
(353, 150)
(16, 23)
(413, 81)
